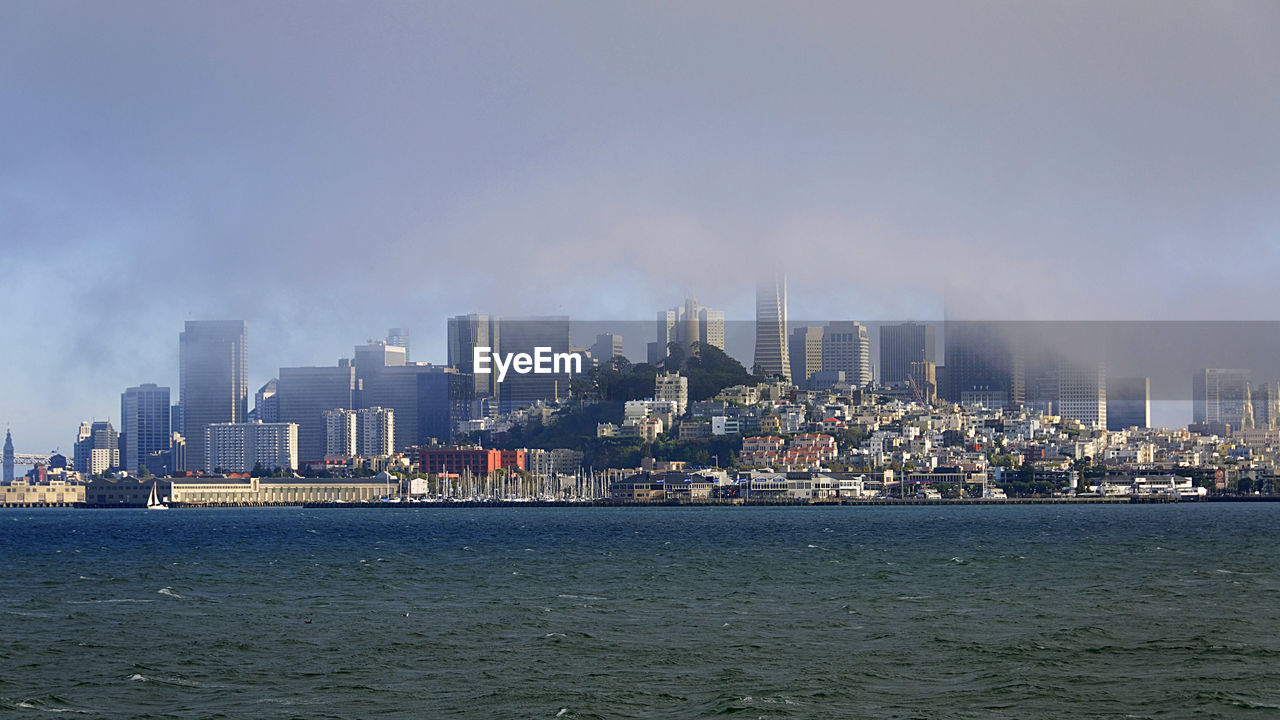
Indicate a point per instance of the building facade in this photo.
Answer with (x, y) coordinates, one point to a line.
(847, 348)
(1128, 403)
(144, 418)
(901, 345)
(772, 356)
(213, 379)
(239, 447)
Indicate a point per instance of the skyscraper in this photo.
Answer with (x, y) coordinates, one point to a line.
(523, 335)
(984, 364)
(144, 418)
(466, 333)
(772, 356)
(1082, 393)
(806, 354)
(266, 404)
(1266, 406)
(901, 345)
(846, 348)
(97, 447)
(1128, 403)
(213, 379)
(1218, 395)
(400, 338)
(305, 393)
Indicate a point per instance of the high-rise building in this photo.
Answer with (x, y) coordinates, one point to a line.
(305, 393)
(466, 333)
(240, 447)
(1128, 403)
(1266, 406)
(607, 347)
(525, 335)
(266, 405)
(375, 432)
(923, 376)
(806, 354)
(673, 387)
(772, 356)
(687, 324)
(984, 364)
(426, 400)
(97, 448)
(846, 347)
(1218, 395)
(213, 379)
(340, 433)
(9, 458)
(400, 338)
(144, 418)
(901, 345)
(1082, 393)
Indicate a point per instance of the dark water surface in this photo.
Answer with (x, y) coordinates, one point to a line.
(886, 612)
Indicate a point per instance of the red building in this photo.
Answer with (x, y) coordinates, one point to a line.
(477, 461)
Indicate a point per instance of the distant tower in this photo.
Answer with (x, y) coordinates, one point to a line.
(8, 458)
(213, 384)
(400, 338)
(772, 356)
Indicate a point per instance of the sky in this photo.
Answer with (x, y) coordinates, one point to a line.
(327, 170)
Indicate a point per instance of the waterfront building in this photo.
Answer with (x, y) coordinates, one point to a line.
(901, 345)
(1128, 403)
(144, 419)
(772, 356)
(53, 493)
(213, 385)
(846, 347)
(806, 354)
(239, 447)
(476, 461)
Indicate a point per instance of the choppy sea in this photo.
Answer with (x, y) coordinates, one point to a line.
(1147, 611)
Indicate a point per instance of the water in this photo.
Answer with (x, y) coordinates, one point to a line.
(893, 612)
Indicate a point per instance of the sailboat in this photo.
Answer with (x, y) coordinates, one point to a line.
(153, 503)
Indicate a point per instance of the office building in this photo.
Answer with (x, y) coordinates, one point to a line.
(1082, 393)
(1266, 406)
(97, 448)
(242, 447)
(984, 364)
(305, 393)
(607, 347)
(1218, 395)
(806, 354)
(266, 405)
(213, 379)
(525, 335)
(847, 348)
(772, 358)
(1128, 403)
(923, 379)
(400, 338)
(901, 345)
(144, 418)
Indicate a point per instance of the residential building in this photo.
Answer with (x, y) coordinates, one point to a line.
(1082, 393)
(672, 386)
(240, 447)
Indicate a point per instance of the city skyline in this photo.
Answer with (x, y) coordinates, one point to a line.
(1045, 163)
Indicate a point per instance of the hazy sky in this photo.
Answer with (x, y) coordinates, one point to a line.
(327, 170)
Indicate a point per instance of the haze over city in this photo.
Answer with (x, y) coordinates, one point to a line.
(327, 171)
